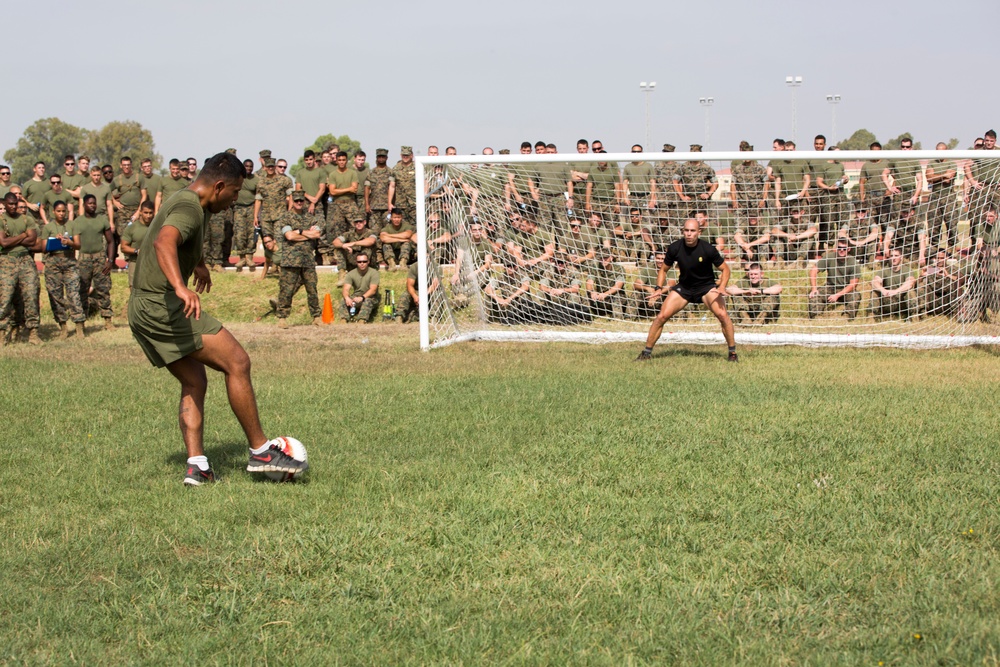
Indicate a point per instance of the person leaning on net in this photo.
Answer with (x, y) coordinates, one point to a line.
(695, 259)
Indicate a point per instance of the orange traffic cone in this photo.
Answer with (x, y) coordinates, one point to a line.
(327, 309)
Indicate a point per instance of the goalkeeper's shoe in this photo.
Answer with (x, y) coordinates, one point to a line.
(733, 357)
(196, 476)
(273, 459)
(644, 356)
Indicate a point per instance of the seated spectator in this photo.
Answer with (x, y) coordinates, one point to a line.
(753, 238)
(507, 294)
(862, 234)
(893, 289)
(842, 282)
(937, 286)
(628, 236)
(661, 232)
(472, 266)
(562, 287)
(758, 299)
(358, 238)
(361, 294)
(909, 234)
(398, 239)
(530, 246)
(606, 286)
(408, 308)
(647, 298)
(796, 234)
(440, 241)
(575, 246)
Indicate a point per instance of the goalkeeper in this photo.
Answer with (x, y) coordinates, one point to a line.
(695, 259)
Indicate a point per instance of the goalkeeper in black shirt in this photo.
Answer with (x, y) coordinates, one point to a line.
(695, 260)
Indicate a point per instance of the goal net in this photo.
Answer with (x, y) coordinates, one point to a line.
(850, 248)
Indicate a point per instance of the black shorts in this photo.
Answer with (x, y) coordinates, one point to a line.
(694, 295)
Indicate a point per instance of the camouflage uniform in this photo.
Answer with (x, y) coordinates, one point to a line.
(839, 273)
(215, 237)
(359, 284)
(92, 259)
(696, 179)
(377, 182)
(942, 222)
(18, 274)
(346, 257)
(272, 193)
(984, 171)
(757, 308)
(62, 280)
(801, 249)
(244, 240)
(343, 209)
(830, 205)
(604, 278)
(649, 273)
(399, 252)
(900, 305)
(566, 308)
(749, 181)
(298, 263)
(668, 203)
(405, 178)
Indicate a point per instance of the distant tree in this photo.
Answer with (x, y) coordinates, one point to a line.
(859, 141)
(118, 139)
(893, 144)
(48, 140)
(345, 142)
(952, 143)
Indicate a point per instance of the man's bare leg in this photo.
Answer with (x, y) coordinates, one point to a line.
(224, 353)
(191, 414)
(672, 305)
(716, 302)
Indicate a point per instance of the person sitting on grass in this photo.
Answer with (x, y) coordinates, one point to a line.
(841, 286)
(360, 292)
(757, 298)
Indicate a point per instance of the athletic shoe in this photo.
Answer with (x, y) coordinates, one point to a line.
(274, 460)
(644, 356)
(196, 476)
(733, 357)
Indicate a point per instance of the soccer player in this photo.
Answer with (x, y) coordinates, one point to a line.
(167, 321)
(695, 259)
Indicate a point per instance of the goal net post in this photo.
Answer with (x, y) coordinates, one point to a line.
(567, 247)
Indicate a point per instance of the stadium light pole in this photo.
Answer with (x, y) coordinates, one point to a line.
(833, 100)
(793, 82)
(707, 102)
(647, 88)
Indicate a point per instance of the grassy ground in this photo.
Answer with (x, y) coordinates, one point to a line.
(526, 504)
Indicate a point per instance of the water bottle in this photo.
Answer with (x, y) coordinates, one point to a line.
(354, 310)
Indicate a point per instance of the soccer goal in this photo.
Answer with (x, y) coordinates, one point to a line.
(849, 248)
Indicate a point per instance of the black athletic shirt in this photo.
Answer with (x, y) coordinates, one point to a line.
(695, 264)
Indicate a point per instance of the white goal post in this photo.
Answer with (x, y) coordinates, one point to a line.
(550, 247)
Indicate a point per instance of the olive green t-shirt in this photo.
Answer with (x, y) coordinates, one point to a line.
(50, 198)
(339, 180)
(362, 283)
(893, 279)
(171, 186)
(551, 178)
(605, 277)
(72, 182)
(127, 189)
(311, 179)
(183, 212)
(248, 192)
(33, 190)
(905, 172)
(793, 177)
(152, 184)
(639, 177)
(133, 235)
(14, 226)
(91, 232)
(604, 181)
(54, 229)
(101, 191)
(839, 273)
(872, 173)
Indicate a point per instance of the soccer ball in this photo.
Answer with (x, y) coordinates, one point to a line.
(296, 450)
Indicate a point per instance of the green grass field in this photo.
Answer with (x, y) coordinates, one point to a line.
(513, 504)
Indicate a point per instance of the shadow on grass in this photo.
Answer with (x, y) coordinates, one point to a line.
(992, 350)
(228, 458)
(671, 352)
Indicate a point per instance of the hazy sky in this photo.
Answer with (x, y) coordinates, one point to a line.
(203, 76)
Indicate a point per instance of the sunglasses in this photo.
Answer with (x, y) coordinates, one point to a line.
(68, 164)
(4, 173)
(55, 182)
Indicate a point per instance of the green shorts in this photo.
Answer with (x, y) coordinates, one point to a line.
(163, 332)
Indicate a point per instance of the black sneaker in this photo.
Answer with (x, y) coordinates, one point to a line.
(273, 459)
(733, 357)
(644, 356)
(196, 476)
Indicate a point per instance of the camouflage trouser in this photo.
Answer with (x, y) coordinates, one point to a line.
(566, 309)
(343, 212)
(366, 311)
(270, 228)
(938, 296)
(398, 252)
(818, 304)
(91, 266)
(608, 307)
(62, 282)
(407, 308)
(552, 213)
(377, 219)
(642, 309)
(243, 228)
(942, 223)
(122, 219)
(900, 305)
(293, 277)
(830, 210)
(18, 275)
(761, 309)
(215, 236)
(346, 259)
(796, 250)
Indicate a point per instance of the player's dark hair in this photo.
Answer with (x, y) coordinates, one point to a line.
(539, 143)
(818, 137)
(991, 133)
(873, 144)
(86, 197)
(753, 265)
(59, 202)
(126, 157)
(582, 141)
(552, 146)
(525, 144)
(146, 204)
(222, 167)
(341, 154)
(780, 142)
(361, 153)
(174, 162)
(309, 153)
